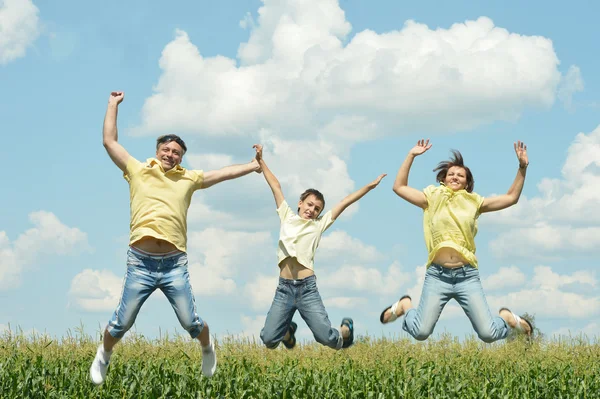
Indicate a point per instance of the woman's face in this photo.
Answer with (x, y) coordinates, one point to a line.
(456, 178)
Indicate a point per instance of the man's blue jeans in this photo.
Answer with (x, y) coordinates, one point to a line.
(144, 275)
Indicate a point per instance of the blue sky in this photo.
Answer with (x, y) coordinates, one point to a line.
(338, 91)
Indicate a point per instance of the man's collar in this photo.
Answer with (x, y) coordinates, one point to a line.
(176, 169)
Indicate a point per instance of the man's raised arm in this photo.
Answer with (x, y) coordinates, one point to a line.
(117, 153)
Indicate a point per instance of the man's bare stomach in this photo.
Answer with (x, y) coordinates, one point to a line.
(154, 245)
(450, 258)
(290, 269)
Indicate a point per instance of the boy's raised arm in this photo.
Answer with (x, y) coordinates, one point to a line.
(269, 176)
(355, 196)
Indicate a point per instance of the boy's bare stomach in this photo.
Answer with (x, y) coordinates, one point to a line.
(450, 258)
(154, 245)
(290, 269)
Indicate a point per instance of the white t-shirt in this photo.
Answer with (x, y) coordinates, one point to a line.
(299, 238)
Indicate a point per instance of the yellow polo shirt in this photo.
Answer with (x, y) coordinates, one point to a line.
(298, 237)
(450, 221)
(160, 200)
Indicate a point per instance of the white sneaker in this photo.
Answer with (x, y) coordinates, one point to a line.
(99, 367)
(209, 360)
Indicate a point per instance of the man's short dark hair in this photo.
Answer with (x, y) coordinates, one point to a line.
(167, 138)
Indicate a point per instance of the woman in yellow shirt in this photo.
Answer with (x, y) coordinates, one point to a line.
(450, 213)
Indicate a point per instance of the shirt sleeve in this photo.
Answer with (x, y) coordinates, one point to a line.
(326, 220)
(198, 176)
(429, 192)
(133, 166)
(479, 201)
(284, 211)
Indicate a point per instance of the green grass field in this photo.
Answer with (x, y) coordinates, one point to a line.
(39, 367)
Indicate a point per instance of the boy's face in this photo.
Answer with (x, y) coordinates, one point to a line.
(310, 208)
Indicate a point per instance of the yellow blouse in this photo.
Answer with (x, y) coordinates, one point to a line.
(450, 221)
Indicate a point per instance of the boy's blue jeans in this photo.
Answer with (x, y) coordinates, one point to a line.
(301, 295)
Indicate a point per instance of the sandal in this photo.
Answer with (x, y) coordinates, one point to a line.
(348, 322)
(393, 308)
(291, 342)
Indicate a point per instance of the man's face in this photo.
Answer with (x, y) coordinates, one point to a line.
(169, 154)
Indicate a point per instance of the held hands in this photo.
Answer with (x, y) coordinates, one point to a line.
(421, 147)
(116, 97)
(521, 151)
(376, 182)
(257, 158)
(258, 148)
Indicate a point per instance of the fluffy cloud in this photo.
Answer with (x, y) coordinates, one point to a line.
(590, 330)
(365, 279)
(550, 294)
(48, 237)
(251, 327)
(19, 27)
(340, 246)
(288, 160)
(572, 83)
(95, 290)
(261, 291)
(345, 302)
(218, 255)
(564, 217)
(296, 74)
(506, 277)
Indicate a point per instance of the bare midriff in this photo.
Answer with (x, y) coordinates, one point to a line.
(290, 269)
(450, 258)
(154, 245)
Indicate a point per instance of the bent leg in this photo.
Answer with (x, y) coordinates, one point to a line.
(470, 296)
(313, 312)
(178, 290)
(279, 316)
(139, 283)
(420, 322)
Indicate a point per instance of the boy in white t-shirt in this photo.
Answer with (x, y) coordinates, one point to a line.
(299, 238)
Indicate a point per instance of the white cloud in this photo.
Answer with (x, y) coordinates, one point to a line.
(340, 246)
(550, 294)
(366, 279)
(48, 237)
(571, 83)
(217, 255)
(506, 277)
(251, 327)
(590, 330)
(345, 302)
(19, 27)
(295, 75)
(261, 291)
(563, 217)
(96, 290)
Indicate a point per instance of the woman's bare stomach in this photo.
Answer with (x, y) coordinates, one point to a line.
(154, 245)
(450, 258)
(290, 269)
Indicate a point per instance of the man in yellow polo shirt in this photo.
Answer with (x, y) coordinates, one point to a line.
(160, 195)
